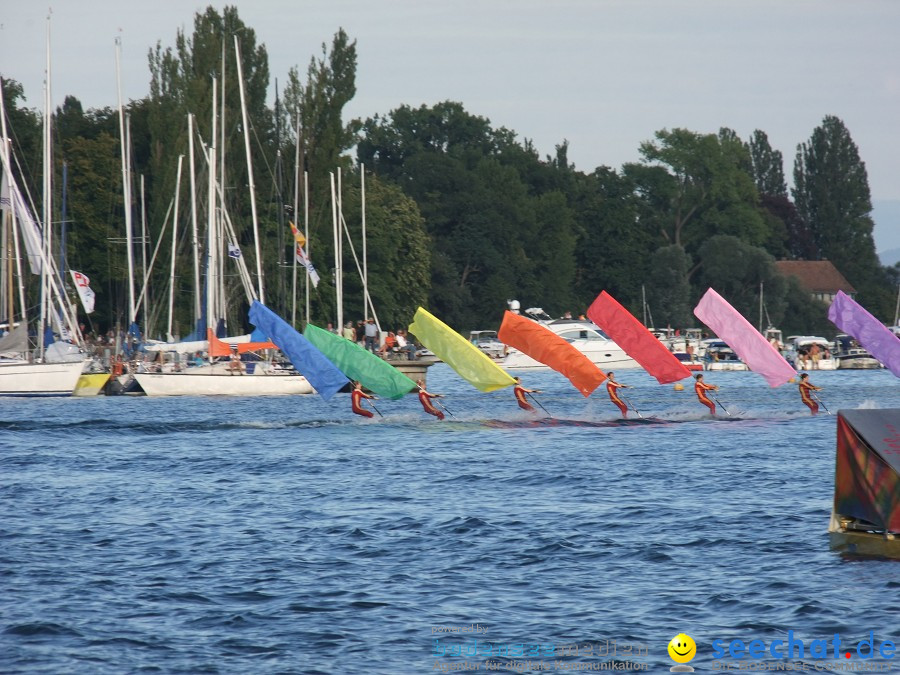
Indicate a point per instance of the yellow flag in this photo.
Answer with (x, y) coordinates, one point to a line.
(298, 236)
(472, 364)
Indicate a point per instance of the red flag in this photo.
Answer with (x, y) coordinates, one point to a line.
(545, 346)
(638, 342)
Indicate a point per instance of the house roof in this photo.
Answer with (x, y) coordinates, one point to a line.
(816, 276)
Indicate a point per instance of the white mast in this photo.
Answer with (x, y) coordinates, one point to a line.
(126, 183)
(365, 264)
(144, 240)
(169, 336)
(306, 235)
(337, 256)
(48, 201)
(246, 125)
(6, 160)
(296, 215)
(212, 265)
(195, 240)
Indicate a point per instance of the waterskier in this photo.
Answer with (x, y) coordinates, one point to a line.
(356, 397)
(611, 387)
(425, 399)
(700, 388)
(806, 389)
(519, 391)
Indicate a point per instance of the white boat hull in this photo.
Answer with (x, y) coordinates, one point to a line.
(608, 356)
(726, 366)
(858, 362)
(822, 364)
(19, 378)
(223, 384)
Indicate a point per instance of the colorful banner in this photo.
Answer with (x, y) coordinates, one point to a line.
(747, 342)
(853, 319)
(374, 373)
(638, 342)
(472, 364)
(545, 346)
(322, 374)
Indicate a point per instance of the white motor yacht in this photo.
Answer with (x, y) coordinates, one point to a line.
(582, 334)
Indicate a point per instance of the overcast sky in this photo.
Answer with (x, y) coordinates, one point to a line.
(603, 74)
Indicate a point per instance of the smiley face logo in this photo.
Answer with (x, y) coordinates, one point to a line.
(682, 648)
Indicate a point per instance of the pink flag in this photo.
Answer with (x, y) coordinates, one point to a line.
(747, 342)
(852, 318)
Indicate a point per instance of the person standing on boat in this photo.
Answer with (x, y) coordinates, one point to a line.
(611, 387)
(371, 335)
(806, 389)
(519, 391)
(425, 399)
(356, 397)
(700, 388)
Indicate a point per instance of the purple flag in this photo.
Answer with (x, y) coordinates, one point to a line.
(853, 319)
(747, 342)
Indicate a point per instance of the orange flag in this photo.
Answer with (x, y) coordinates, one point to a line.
(545, 346)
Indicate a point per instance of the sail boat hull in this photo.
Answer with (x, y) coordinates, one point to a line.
(223, 384)
(19, 378)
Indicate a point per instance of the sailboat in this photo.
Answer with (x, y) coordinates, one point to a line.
(262, 378)
(22, 371)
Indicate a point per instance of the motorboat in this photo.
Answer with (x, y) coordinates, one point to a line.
(488, 342)
(719, 356)
(851, 355)
(582, 334)
(810, 352)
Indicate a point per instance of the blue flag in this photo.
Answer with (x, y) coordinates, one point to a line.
(322, 374)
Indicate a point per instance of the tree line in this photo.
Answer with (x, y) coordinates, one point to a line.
(461, 215)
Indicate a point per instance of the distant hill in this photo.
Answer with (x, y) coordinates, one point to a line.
(889, 258)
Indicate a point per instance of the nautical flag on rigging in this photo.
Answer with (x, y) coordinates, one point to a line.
(304, 260)
(234, 251)
(298, 236)
(83, 286)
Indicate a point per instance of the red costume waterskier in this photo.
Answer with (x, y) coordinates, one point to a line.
(356, 397)
(806, 389)
(519, 391)
(700, 388)
(611, 387)
(425, 399)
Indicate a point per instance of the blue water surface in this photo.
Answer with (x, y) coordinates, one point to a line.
(285, 535)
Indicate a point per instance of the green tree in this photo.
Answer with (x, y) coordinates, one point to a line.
(735, 270)
(708, 190)
(669, 294)
(767, 166)
(831, 191)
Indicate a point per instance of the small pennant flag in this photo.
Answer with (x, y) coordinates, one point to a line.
(234, 251)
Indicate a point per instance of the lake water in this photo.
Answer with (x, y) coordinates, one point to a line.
(286, 535)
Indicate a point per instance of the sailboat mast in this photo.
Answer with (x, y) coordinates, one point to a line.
(296, 214)
(365, 263)
(246, 129)
(169, 335)
(126, 183)
(48, 201)
(760, 307)
(212, 264)
(337, 259)
(306, 234)
(195, 239)
(6, 161)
